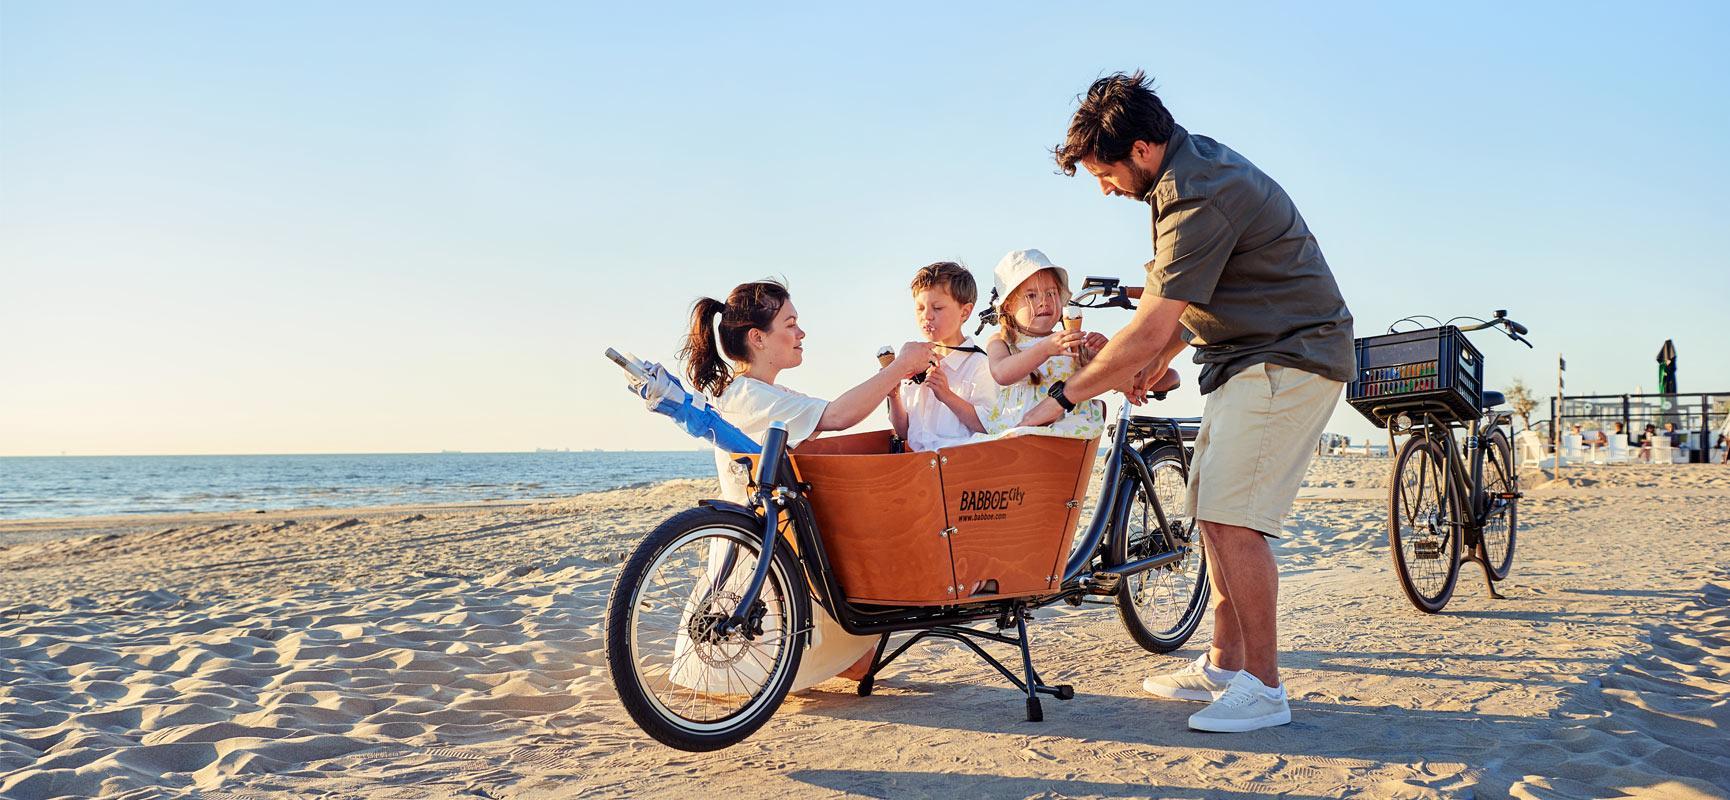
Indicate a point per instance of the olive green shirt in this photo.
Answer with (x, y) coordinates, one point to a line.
(1228, 240)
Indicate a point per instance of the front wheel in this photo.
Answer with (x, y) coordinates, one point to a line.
(1502, 485)
(684, 681)
(1422, 529)
(1161, 607)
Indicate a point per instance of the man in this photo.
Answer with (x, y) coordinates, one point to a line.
(1237, 274)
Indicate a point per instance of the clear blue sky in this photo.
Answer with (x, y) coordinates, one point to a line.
(322, 226)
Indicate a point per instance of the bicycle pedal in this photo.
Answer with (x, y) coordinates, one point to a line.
(1506, 495)
(1101, 583)
(1427, 549)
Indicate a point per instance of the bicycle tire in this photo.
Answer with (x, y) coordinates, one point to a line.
(630, 601)
(1136, 534)
(1499, 477)
(1423, 524)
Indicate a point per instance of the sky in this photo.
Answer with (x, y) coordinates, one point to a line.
(404, 227)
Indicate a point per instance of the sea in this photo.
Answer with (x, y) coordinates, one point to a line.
(74, 486)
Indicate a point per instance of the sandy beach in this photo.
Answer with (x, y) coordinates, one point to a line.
(456, 651)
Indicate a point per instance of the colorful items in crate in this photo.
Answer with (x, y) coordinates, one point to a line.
(1402, 379)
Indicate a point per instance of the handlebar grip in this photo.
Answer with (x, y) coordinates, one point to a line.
(1131, 292)
(1517, 327)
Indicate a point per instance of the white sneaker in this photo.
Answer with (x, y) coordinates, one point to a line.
(1190, 683)
(1245, 706)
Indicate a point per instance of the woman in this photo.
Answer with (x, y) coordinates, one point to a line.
(757, 330)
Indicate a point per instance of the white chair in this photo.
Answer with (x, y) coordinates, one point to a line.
(1618, 449)
(1572, 448)
(1662, 452)
(1528, 449)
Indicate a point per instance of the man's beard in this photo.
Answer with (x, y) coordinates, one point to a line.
(1141, 182)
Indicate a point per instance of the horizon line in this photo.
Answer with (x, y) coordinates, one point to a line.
(347, 453)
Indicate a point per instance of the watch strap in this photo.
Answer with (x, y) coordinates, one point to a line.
(1056, 393)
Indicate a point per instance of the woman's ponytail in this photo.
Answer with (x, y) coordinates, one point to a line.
(701, 353)
(750, 306)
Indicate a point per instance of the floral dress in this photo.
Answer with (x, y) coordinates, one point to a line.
(1015, 400)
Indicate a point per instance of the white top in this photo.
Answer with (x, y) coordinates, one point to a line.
(1015, 400)
(930, 423)
(751, 405)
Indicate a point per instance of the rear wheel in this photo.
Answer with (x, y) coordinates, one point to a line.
(1161, 607)
(1497, 537)
(1421, 525)
(684, 682)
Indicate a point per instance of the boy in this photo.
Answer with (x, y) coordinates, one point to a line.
(943, 409)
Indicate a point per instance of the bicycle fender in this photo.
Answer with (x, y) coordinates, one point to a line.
(728, 505)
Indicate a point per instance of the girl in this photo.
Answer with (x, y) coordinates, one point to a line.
(1028, 354)
(758, 331)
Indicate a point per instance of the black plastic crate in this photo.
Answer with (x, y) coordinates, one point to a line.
(1434, 369)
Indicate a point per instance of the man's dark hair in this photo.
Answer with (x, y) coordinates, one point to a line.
(1117, 111)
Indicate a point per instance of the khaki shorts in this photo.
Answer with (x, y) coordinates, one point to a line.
(1258, 433)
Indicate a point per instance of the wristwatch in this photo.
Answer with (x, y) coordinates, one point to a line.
(1056, 393)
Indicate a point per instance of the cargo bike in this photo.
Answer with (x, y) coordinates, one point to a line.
(708, 618)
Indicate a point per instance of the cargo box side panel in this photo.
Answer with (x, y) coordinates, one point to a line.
(853, 444)
(882, 524)
(1008, 501)
(1083, 479)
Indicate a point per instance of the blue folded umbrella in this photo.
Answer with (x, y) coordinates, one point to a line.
(664, 394)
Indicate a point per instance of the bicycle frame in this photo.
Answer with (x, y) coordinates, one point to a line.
(1468, 482)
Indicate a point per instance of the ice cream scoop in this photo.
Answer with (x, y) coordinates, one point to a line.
(1072, 319)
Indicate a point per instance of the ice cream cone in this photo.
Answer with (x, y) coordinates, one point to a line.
(885, 355)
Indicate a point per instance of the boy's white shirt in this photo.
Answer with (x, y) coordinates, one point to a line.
(930, 423)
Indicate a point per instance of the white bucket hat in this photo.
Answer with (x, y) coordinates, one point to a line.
(1017, 267)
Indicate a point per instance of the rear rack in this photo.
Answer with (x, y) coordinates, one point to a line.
(1141, 428)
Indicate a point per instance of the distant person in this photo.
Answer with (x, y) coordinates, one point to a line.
(1645, 442)
(1677, 438)
(944, 408)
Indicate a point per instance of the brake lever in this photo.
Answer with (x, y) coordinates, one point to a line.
(1521, 339)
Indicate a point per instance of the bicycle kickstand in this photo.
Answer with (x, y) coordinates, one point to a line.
(1490, 582)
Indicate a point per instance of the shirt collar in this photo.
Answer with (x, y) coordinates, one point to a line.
(955, 357)
(1179, 137)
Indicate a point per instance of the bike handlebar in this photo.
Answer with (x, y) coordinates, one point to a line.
(1097, 292)
(1514, 330)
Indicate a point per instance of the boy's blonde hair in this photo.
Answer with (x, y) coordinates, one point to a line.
(949, 276)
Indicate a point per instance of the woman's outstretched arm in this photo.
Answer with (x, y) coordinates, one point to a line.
(857, 403)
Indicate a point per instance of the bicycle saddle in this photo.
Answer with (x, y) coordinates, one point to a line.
(1493, 399)
(1166, 384)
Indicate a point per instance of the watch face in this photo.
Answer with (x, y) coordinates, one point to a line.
(1056, 393)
